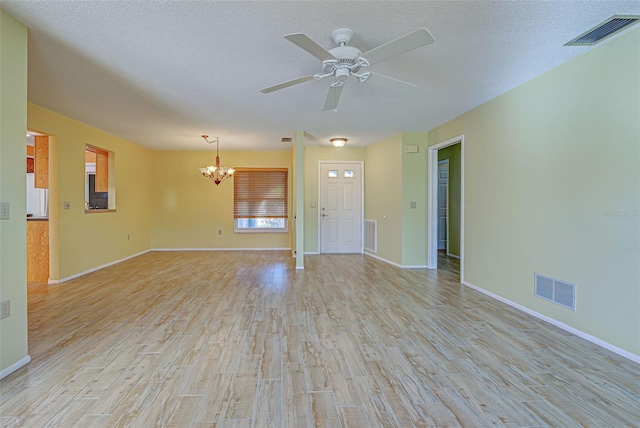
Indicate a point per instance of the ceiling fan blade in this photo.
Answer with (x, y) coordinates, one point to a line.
(286, 84)
(304, 42)
(403, 44)
(390, 84)
(333, 96)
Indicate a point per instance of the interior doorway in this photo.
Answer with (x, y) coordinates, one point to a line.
(341, 214)
(454, 224)
(37, 207)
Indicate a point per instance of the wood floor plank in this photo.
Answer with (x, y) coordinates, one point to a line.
(323, 410)
(215, 400)
(269, 403)
(243, 396)
(353, 417)
(315, 367)
(296, 409)
(240, 338)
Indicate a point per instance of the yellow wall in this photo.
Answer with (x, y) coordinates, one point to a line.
(13, 243)
(312, 155)
(86, 241)
(552, 185)
(383, 195)
(188, 210)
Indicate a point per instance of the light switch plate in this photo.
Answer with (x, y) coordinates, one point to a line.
(4, 211)
(66, 205)
(5, 309)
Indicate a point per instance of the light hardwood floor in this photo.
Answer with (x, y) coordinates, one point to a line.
(201, 339)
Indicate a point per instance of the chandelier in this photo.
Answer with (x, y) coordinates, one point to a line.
(216, 173)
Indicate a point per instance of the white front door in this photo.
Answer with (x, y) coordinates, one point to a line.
(443, 182)
(340, 207)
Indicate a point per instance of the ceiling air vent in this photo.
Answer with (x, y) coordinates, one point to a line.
(286, 139)
(608, 28)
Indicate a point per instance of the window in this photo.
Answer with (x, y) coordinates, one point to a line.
(99, 180)
(260, 200)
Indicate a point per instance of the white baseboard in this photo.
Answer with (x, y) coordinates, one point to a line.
(453, 255)
(311, 253)
(561, 325)
(394, 263)
(77, 275)
(220, 249)
(15, 366)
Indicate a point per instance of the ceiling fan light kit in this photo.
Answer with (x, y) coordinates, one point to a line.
(344, 61)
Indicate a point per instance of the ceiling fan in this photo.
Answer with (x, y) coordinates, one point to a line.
(344, 61)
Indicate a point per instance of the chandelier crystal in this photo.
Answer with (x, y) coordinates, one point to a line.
(216, 173)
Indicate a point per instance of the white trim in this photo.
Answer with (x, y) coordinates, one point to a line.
(394, 263)
(561, 325)
(361, 163)
(237, 229)
(220, 249)
(453, 255)
(447, 232)
(432, 203)
(311, 252)
(15, 366)
(77, 275)
(299, 267)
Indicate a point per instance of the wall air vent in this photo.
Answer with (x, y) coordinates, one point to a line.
(561, 292)
(606, 29)
(286, 139)
(371, 235)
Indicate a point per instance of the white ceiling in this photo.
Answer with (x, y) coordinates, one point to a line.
(161, 73)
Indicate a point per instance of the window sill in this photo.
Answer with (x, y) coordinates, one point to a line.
(100, 211)
(260, 231)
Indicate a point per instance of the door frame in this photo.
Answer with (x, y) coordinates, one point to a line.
(432, 203)
(361, 163)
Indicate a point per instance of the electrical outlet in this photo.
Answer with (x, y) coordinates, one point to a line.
(4, 211)
(5, 309)
(219, 231)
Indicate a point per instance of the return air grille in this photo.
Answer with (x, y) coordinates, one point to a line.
(371, 235)
(608, 28)
(561, 292)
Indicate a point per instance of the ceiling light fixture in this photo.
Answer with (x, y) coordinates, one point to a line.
(216, 173)
(338, 142)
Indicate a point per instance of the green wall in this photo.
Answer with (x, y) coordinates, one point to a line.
(552, 185)
(452, 153)
(414, 189)
(13, 231)
(383, 195)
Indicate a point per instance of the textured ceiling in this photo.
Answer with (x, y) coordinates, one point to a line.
(161, 73)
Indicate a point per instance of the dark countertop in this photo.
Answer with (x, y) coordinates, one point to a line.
(37, 218)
